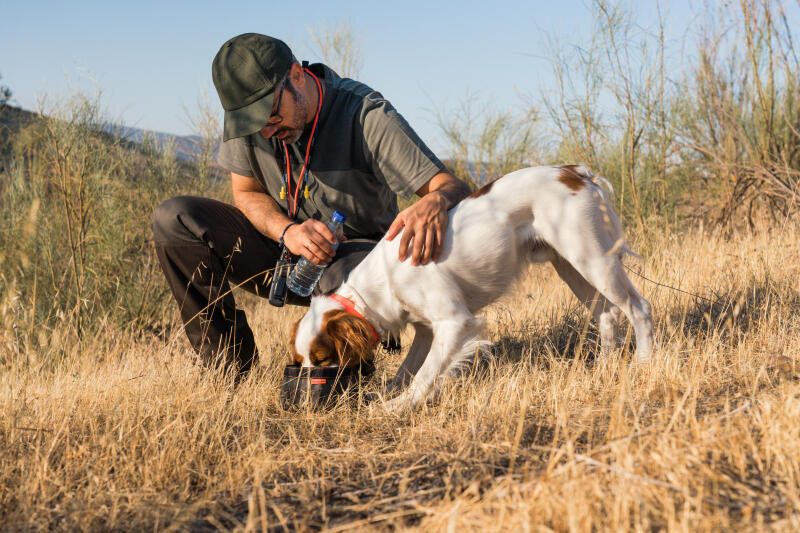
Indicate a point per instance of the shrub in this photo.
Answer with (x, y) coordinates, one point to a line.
(76, 241)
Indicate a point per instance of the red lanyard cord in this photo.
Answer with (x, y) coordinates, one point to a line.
(292, 207)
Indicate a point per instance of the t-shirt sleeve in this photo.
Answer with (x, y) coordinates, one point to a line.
(395, 152)
(233, 157)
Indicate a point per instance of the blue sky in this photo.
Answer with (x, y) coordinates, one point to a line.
(152, 60)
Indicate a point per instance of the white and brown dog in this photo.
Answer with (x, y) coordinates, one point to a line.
(556, 214)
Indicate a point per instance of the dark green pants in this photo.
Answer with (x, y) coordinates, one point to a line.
(205, 247)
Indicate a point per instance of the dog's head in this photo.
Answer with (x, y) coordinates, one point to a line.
(330, 336)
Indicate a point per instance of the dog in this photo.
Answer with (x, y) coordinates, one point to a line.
(540, 214)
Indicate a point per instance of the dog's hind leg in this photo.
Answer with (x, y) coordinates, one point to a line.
(606, 274)
(644, 328)
(604, 271)
(605, 313)
(588, 236)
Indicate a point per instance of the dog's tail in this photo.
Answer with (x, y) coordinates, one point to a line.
(605, 188)
(605, 185)
(611, 221)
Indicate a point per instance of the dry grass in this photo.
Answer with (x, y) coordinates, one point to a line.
(129, 436)
(105, 429)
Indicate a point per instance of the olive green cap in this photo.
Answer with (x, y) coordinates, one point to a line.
(245, 72)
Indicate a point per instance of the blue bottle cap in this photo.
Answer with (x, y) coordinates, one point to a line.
(339, 217)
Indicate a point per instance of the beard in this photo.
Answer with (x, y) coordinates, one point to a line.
(290, 133)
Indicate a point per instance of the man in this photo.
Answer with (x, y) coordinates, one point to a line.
(299, 143)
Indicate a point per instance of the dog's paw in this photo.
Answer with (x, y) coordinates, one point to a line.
(382, 407)
(397, 405)
(642, 358)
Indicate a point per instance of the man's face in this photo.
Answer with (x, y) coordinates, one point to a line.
(291, 112)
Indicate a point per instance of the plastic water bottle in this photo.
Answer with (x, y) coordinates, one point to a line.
(306, 274)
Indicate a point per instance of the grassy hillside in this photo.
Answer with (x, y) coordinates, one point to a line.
(76, 258)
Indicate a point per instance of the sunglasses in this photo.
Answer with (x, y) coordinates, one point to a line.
(275, 118)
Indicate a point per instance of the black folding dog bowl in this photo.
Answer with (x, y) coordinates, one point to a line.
(319, 386)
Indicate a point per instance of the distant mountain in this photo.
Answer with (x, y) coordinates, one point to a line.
(186, 146)
(13, 119)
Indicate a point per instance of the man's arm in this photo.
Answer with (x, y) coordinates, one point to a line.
(311, 239)
(425, 222)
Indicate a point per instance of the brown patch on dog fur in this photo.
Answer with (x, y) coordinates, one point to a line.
(483, 190)
(570, 177)
(344, 337)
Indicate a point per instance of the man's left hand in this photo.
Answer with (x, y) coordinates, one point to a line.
(425, 222)
(423, 226)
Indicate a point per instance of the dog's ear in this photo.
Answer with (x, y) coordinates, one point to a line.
(351, 336)
(296, 357)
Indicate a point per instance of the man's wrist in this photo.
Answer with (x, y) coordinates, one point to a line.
(283, 233)
(447, 200)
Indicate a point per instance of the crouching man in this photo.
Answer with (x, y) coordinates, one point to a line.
(300, 142)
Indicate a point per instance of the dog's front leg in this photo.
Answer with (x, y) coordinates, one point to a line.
(449, 338)
(420, 346)
(423, 381)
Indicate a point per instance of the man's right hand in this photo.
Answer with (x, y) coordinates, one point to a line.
(312, 239)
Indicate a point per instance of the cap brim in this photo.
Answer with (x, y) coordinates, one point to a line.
(248, 119)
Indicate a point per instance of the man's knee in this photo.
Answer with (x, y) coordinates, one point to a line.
(169, 220)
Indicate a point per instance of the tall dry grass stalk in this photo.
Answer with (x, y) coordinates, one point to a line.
(740, 124)
(609, 108)
(204, 120)
(129, 434)
(339, 47)
(80, 173)
(486, 143)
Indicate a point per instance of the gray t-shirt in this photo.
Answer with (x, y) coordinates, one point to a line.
(364, 154)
